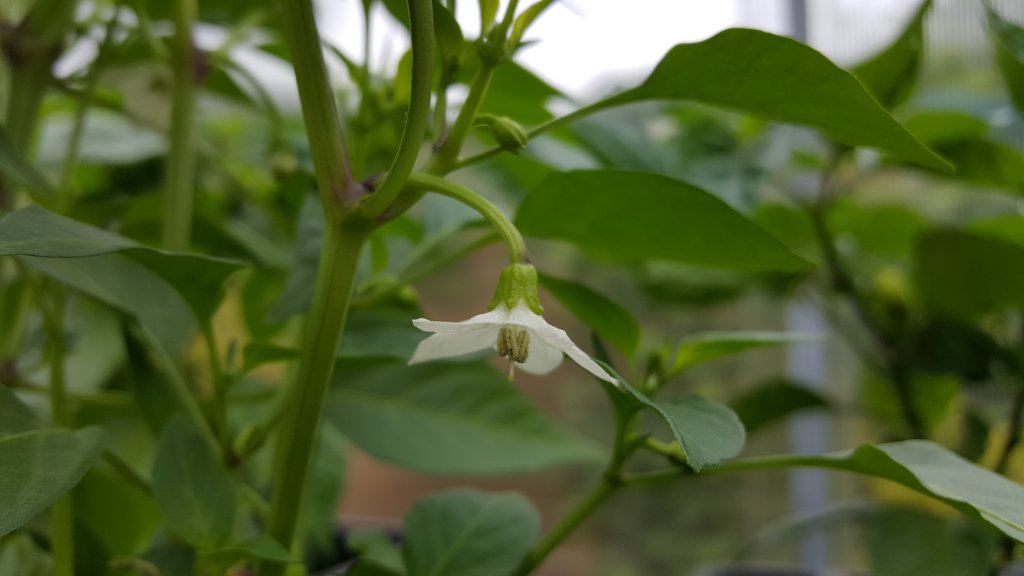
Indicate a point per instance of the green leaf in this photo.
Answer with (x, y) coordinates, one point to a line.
(15, 416)
(962, 140)
(965, 274)
(523, 22)
(911, 542)
(641, 216)
(447, 33)
(706, 346)
(609, 319)
(466, 532)
(1008, 40)
(780, 79)
(193, 491)
(19, 171)
(40, 466)
(774, 401)
(891, 74)
(261, 548)
(926, 468)
(449, 418)
(130, 530)
(488, 11)
(708, 432)
(72, 253)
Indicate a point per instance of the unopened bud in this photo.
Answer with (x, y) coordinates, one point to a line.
(510, 136)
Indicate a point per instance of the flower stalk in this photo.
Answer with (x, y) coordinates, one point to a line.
(502, 225)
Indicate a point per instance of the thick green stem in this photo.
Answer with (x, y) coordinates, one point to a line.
(502, 225)
(319, 112)
(344, 237)
(181, 158)
(422, 23)
(324, 324)
(446, 156)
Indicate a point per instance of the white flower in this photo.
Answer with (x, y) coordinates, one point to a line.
(518, 333)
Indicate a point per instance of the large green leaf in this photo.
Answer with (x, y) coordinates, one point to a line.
(706, 346)
(1008, 40)
(642, 216)
(779, 79)
(40, 466)
(891, 74)
(966, 274)
(607, 317)
(466, 532)
(926, 468)
(193, 491)
(445, 418)
(40, 234)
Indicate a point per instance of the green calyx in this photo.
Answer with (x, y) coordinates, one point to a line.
(517, 283)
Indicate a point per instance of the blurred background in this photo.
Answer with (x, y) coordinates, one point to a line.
(581, 51)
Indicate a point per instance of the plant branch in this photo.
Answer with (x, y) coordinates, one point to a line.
(181, 158)
(502, 225)
(324, 324)
(88, 94)
(62, 525)
(533, 133)
(445, 158)
(841, 281)
(417, 117)
(319, 110)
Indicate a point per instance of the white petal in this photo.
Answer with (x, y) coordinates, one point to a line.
(497, 316)
(557, 338)
(542, 357)
(450, 343)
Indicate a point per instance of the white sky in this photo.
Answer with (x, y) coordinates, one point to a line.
(580, 41)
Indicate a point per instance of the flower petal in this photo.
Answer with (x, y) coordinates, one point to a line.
(466, 340)
(542, 357)
(557, 338)
(497, 316)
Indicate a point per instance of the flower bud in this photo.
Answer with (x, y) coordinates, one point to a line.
(510, 136)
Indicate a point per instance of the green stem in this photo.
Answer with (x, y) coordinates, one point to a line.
(88, 93)
(567, 525)
(324, 324)
(502, 225)
(179, 388)
(422, 23)
(181, 159)
(219, 385)
(319, 112)
(446, 156)
(62, 534)
(533, 133)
